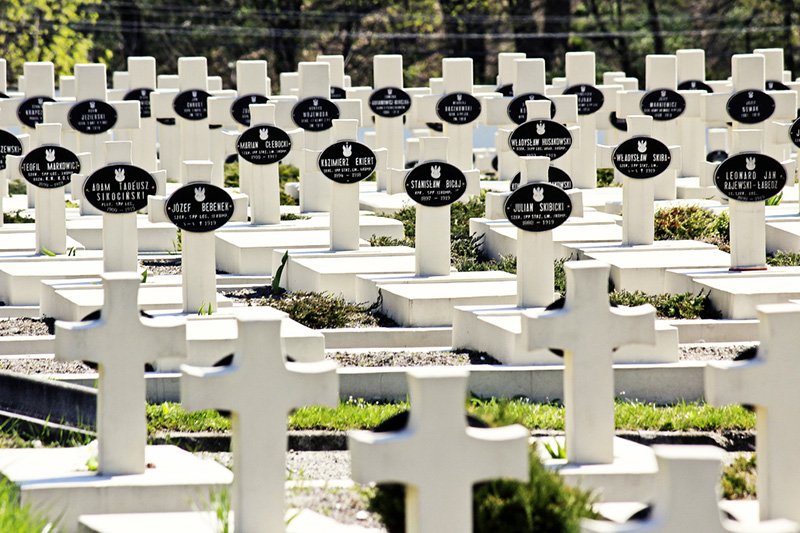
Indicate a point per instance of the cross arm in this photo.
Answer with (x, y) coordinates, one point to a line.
(128, 116)
(219, 110)
(79, 340)
(633, 325)
(57, 112)
(349, 108)
(316, 383)
(676, 153)
(161, 103)
(8, 111)
(734, 382)
(380, 457)
(210, 387)
(162, 337)
(503, 452)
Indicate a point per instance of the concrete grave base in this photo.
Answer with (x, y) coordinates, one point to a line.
(21, 241)
(302, 521)
(737, 294)
(690, 189)
(384, 203)
(369, 224)
(20, 282)
(643, 267)
(368, 285)
(56, 481)
(498, 331)
(630, 477)
(152, 236)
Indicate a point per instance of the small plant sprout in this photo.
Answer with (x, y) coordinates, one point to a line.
(144, 276)
(71, 251)
(556, 450)
(775, 200)
(206, 309)
(276, 280)
(47, 252)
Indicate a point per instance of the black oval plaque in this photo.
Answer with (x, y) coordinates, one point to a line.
(338, 93)
(541, 137)
(750, 177)
(505, 90)
(751, 106)
(494, 163)
(458, 108)
(794, 132)
(315, 114)
(538, 207)
(9, 145)
(49, 167)
(166, 121)
(695, 85)
(663, 104)
(517, 110)
(92, 117)
(435, 126)
(641, 157)
(31, 110)
(240, 108)
(191, 105)
(263, 145)
(119, 189)
(435, 183)
(347, 162)
(774, 85)
(199, 207)
(389, 102)
(716, 156)
(141, 95)
(555, 176)
(619, 123)
(590, 98)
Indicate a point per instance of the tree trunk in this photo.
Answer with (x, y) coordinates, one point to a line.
(655, 27)
(130, 21)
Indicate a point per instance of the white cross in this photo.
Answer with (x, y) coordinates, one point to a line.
(260, 389)
(686, 498)
(768, 382)
(436, 455)
(38, 82)
(389, 131)
(90, 84)
(120, 342)
(142, 76)
(589, 331)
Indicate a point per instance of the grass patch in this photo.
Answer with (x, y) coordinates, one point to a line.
(69, 204)
(322, 310)
(684, 305)
(292, 216)
(17, 187)
(693, 223)
(781, 258)
(15, 517)
(544, 504)
(384, 240)
(605, 177)
(359, 414)
(286, 174)
(17, 217)
(739, 478)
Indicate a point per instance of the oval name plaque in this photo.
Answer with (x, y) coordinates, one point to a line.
(751, 106)
(338, 93)
(794, 132)
(663, 104)
(541, 137)
(119, 189)
(435, 183)
(199, 207)
(538, 207)
(49, 167)
(555, 176)
(517, 110)
(240, 108)
(315, 114)
(458, 108)
(590, 98)
(263, 145)
(750, 177)
(191, 105)
(347, 162)
(695, 85)
(389, 102)
(641, 157)
(9, 145)
(31, 110)
(92, 117)
(141, 95)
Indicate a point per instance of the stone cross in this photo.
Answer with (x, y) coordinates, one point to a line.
(169, 139)
(38, 83)
(51, 225)
(339, 81)
(389, 131)
(767, 382)
(251, 79)
(589, 331)
(259, 388)
(686, 498)
(580, 70)
(506, 71)
(90, 84)
(436, 455)
(432, 242)
(120, 342)
(142, 77)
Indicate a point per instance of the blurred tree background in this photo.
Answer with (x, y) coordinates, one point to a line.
(424, 31)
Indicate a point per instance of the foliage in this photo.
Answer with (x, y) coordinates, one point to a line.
(544, 503)
(286, 174)
(383, 240)
(174, 418)
(49, 30)
(220, 501)
(739, 478)
(17, 217)
(320, 310)
(276, 279)
(683, 305)
(293, 216)
(15, 517)
(555, 449)
(605, 177)
(693, 223)
(775, 200)
(781, 258)
(16, 187)
(231, 172)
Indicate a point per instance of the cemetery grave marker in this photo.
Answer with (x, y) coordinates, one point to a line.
(390, 104)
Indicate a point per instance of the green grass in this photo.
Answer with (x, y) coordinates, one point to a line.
(286, 174)
(17, 217)
(680, 306)
(605, 177)
(781, 258)
(739, 478)
(693, 223)
(18, 518)
(321, 310)
(16, 187)
(360, 414)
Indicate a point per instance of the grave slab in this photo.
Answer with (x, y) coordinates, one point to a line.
(368, 285)
(383, 203)
(26, 242)
(20, 282)
(57, 482)
(497, 331)
(153, 237)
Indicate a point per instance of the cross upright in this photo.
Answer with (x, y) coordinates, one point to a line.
(142, 81)
(588, 330)
(339, 81)
(436, 455)
(768, 382)
(686, 498)
(26, 110)
(90, 85)
(389, 131)
(120, 342)
(259, 388)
